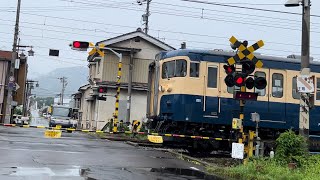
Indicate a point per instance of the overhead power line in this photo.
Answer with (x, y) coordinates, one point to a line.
(243, 7)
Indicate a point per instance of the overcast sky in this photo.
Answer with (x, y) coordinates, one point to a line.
(54, 24)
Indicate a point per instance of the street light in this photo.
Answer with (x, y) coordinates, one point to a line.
(305, 61)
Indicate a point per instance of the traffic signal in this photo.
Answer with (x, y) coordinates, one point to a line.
(102, 89)
(229, 69)
(229, 80)
(260, 82)
(248, 67)
(80, 45)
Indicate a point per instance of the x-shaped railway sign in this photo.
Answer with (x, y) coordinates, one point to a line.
(96, 49)
(245, 52)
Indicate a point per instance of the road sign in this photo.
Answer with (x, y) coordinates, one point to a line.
(237, 150)
(305, 84)
(52, 134)
(155, 139)
(17, 86)
(245, 52)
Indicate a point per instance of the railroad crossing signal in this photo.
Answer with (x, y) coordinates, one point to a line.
(96, 50)
(245, 52)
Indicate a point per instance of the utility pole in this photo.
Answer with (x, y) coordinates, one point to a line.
(305, 69)
(64, 84)
(28, 93)
(9, 94)
(145, 17)
(129, 87)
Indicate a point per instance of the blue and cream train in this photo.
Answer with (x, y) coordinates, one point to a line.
(187, 95)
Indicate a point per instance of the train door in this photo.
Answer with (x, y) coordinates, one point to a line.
(315, 111)
(211, 90)
(292, 99)
(277, 95)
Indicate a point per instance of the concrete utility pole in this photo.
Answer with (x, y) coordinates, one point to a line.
(305, 68)
(9, 94)
(64, 84)
(145, 17)
(129, 87)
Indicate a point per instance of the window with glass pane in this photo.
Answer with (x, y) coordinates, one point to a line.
(261, 92)
(212, 77)
(194, 69)
(181, 68)
(175, 68)
(277, 85)
(318, 89)
(295, 93)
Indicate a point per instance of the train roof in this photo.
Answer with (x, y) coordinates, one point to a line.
(222, 56)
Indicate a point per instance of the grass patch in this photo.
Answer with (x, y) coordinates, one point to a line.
(265, 169)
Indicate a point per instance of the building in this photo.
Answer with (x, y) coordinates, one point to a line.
(20, 81)
(138, 50)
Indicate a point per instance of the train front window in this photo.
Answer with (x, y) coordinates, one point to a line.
(176, 68)
(261, 92)
(194, 69)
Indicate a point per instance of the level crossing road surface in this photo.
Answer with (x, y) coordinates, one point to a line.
(27, 154)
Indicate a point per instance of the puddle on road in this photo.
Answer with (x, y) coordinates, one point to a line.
(185, 172)
(45, 172)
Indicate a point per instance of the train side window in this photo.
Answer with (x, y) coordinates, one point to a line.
(176, 68)
(277, 85)
(295, 93)
(318, 90)
(194, 69)
(231, 90)
(261, 92)
(212, 77)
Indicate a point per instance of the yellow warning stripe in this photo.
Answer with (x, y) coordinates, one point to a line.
(41, 127)
(71, 129)
(168, 135)
(85, 130)
(26, 126)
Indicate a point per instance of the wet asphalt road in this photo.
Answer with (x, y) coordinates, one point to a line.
(27, 154)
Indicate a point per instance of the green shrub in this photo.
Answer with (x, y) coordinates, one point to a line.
(291, 148)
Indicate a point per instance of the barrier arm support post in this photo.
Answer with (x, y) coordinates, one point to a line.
(116, 111)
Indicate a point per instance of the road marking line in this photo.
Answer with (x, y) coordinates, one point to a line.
(41, 150)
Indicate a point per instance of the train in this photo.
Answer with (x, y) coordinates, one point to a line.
(187, 95)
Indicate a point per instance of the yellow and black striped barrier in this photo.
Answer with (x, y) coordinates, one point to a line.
(124, 132)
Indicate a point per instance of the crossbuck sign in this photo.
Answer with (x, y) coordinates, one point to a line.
(305, 84)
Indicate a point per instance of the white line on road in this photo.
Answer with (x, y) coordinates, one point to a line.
(41, 150)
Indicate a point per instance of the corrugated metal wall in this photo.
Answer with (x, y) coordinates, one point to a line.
(140, 69)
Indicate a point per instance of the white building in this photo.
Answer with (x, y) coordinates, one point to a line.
(139, 50)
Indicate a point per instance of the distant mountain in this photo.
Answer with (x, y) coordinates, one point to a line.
(50, 84)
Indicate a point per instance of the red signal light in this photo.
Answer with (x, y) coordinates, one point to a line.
(80, 45)
(76, 44)
(229, 69)
(102, 90)
(239, 80)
